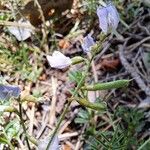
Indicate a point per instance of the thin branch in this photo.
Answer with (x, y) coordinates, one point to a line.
(132, 71)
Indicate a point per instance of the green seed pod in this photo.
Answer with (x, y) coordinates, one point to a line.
(77, 60)
(107, 85)
(96, 106)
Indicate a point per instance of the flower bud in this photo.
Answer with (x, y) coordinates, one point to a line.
(88, 42)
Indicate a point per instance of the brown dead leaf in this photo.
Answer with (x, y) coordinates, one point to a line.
(64, 44)
(67, 147)
(110, 64)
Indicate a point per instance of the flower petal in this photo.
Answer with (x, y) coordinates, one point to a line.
(58, 60)
(88, 42)
(113, 16)
(108, 18)
(21, 33)
(8, 91)
(103, 21)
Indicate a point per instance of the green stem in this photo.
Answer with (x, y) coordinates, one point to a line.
(144, 144)
(23, 125)
(8, 141)
(69, 103)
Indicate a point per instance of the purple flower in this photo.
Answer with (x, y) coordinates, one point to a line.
(108, 18)
(8, 91)
(88, 42)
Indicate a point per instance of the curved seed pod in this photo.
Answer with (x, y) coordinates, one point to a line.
(95, 106)
(107, 85)
(77, 60)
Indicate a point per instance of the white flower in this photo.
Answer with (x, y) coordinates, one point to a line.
(21, 33)
(88, 42)
(58, 60)
(108, 18)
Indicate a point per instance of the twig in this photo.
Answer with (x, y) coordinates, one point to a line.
(102, 52)
(45, 33)
(52, 116)
(32, 111)
(65, 136)
(77, 147)
(132, 71)
(136, 45)
(66, 124)
(16, 24)
(44, 124)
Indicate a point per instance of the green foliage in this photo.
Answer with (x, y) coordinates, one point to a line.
(132, 118)
(75, 76)
(83, 117)
(18, 62)
(90, 5)
(10, 131)
(123, 136)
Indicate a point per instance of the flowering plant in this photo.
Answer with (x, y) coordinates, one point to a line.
(108, 21)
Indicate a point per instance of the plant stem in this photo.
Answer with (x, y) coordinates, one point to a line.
(23, 125)
(8, 141)
(144, 144)
(69, 103)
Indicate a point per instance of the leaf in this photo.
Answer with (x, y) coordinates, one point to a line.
(75, 76)
(80, 120)
(12, 129)
(110, 64)
(83, 114)
(64, 44)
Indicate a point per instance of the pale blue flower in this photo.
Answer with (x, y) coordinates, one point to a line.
(88, 42)
(108, 18)
(8, 91)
